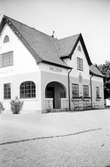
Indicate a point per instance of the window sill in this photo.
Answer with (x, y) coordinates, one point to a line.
(7, 99)
(87, 97)
(29, 99)
(80, 69)
(76, 97)
(98, 98)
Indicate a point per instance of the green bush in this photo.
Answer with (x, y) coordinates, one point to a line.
(1, 107)
(16, 106)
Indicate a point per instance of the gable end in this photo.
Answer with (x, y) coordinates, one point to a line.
(80, 38)
(6, 20)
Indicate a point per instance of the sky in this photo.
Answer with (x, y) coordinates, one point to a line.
(66, 18)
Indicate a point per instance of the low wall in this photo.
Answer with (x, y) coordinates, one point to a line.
(79, 104)
(64, 103)
(99, 103)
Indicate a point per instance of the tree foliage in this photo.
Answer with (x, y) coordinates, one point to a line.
(105, 69)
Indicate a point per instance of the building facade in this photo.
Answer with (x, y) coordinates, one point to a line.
(46, 73)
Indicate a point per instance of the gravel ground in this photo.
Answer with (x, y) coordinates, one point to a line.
(90, 148)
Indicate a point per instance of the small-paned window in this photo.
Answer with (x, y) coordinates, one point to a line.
(97, 92)
(6, 59)
(79, 63)
(6, 39)
(85, 91)
(27, 89)
(7, 91)
(75, 90)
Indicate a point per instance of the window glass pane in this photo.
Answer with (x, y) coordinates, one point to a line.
(85, 90)
(79, 64)
(6, 39)
(7, 91)
(27, 89)
(6, 59)
(97, 92)
(75, 90)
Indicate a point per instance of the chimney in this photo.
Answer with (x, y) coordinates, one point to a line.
(53, 32)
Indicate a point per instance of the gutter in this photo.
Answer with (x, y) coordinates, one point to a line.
(91, 88)
(69, 89)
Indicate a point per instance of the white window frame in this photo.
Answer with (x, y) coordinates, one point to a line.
(79, 64)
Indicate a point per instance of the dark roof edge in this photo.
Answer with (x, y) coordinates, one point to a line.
(92, 73)
(24, 24)
(58, 65)
(85, 49)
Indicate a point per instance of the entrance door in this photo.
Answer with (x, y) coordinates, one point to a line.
(51, 94)
(56, 91)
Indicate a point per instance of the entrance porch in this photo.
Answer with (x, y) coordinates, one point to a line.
(55, 96)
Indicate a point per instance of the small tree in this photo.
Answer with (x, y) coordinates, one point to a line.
(105, 69)
(16, 105)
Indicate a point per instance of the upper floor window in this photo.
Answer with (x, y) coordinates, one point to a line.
(97, 92)
(79, 48)
(79, 63)
(75, 90)
(6, 59)
(85, 91)
(7, 91)
(6, 39)
(27, 89)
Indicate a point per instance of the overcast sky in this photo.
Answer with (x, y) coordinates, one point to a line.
(67, 17)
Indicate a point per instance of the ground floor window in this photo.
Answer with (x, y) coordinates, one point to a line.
(85, 91)
(97, 92)
(7, 91)
(75, 90)
(27, 89)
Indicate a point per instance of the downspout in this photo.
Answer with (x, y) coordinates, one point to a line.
(69, 89)
(91, 88)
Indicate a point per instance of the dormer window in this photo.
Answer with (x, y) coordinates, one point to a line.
(6, 39)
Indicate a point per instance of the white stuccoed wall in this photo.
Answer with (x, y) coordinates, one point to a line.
(73, 63)
(23, 69)
(74, 75)
(97, 81)
(51, 73)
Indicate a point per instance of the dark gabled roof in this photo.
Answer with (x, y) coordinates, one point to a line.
(67, 47)
(46, 49)
(95, 71)
(41, 45)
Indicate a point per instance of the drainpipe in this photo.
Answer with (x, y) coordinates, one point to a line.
(91, 88)
(69, 88)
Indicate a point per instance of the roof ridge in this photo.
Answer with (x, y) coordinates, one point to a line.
(76, 35)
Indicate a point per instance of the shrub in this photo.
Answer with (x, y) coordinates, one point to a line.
(1, 107)
(16, 105)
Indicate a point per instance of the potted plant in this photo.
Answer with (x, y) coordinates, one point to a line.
(16, 105)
